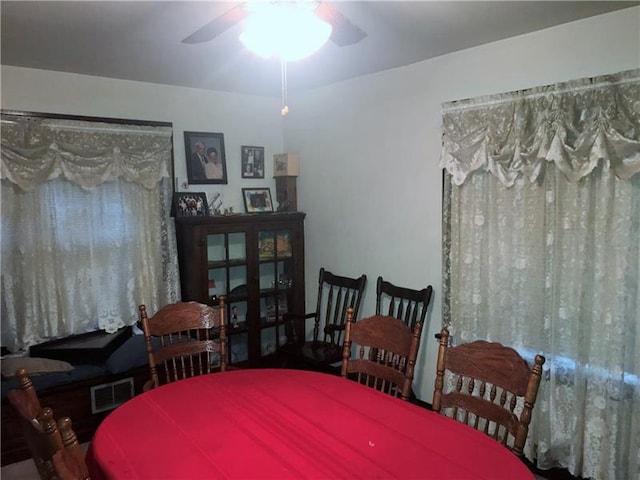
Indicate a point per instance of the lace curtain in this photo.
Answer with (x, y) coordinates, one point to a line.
(36, 149)
(573, 125)
(86, 232)
(541, 227)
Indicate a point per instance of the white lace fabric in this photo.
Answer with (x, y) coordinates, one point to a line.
(574, 125)
(35, 150)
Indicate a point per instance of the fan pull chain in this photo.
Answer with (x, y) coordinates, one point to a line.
(285, 108)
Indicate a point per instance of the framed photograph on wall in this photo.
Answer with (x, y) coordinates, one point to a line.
(252, 162)
(206, 160)
(257, 200)
(189, 204)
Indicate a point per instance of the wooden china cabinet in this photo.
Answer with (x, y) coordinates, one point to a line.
(257, 262)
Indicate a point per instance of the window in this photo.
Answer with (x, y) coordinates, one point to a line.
(541, 227)
(84, 245)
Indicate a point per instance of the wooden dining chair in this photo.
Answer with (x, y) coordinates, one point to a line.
(390, 370)
(489, 387)
(184, 340)
(404, 303)
(335, 295)
(31, 419)
(43, 436)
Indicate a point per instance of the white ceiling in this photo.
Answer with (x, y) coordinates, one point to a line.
(143, 40)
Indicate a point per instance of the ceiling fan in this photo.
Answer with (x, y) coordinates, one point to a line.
(343, 33)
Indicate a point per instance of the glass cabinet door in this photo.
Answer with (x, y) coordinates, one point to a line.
(257, 263)
(275, 283)
(227, 275)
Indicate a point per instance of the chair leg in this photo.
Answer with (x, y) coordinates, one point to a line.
(284, 363)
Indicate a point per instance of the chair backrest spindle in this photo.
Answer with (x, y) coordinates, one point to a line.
(406, 304)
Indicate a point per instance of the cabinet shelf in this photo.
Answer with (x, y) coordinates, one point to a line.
(226, 263)
(272, 292)
(218, 254)
(241, 328)
(275, 259)
(269, 323)
(236, 298)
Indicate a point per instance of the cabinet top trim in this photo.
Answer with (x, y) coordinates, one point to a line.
(240, 218)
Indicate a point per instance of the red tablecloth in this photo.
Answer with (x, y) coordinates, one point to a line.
(288, 424)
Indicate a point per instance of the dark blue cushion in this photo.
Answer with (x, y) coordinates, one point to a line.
(131, 354)
(51, 380)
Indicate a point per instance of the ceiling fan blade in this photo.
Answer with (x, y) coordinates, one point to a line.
(344, 32)
(217, 26)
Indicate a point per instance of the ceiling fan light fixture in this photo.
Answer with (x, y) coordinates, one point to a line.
(287, 30)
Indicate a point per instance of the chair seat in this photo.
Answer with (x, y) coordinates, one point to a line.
(316, 353)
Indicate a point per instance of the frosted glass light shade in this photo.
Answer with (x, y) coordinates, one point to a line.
(285, 30)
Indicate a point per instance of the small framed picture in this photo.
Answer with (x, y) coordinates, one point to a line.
(189, 204)
(206, 160)
(257, 200)
(252, 162)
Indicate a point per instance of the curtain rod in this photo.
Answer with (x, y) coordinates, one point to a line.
(109, 128)
(630, 76)
(86, 118)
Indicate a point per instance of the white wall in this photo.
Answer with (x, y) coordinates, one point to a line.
(370, 181)
(243, 119)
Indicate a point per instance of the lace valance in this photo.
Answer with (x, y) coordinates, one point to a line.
(576, 125)
(36, 149)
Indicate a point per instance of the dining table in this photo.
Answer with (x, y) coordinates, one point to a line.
(288, 424)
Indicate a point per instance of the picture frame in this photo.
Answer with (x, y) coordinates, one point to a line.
(252, 161)
(257, 200)
(189, 204)
(205, 157)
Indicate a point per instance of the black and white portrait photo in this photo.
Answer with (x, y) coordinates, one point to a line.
(252, 162)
